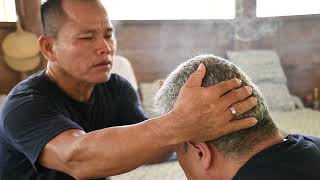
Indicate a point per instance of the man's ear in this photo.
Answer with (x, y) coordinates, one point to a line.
(46, 47)
(204, 153)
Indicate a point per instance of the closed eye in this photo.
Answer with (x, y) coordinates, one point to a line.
(87, 36)
(108, 36)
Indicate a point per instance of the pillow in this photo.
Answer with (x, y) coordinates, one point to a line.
(148, 91)
(264, 68)
(277, 96)
(297, 102)
(260, 65)
(122, 67)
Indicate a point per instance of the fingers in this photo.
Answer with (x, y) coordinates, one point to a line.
(241, 107)
(237, 125)
(236, 96)
(244, 106)
(226, 86)
(195, 78)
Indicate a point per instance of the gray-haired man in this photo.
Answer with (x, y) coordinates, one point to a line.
(260, 152)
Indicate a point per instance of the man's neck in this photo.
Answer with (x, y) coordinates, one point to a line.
(226, 168)
(76, 89)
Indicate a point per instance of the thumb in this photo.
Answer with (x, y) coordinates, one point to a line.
(196, 78)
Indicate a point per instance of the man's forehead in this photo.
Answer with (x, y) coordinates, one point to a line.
(90, 22)
(85, 11)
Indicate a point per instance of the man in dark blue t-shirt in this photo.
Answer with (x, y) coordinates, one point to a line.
(37, 107)
(257, 153)
(74, 120)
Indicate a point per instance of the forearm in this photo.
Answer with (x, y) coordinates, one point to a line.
(163, 156)
(117, 150)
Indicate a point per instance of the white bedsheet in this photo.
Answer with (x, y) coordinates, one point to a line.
(164, 171)
(2, 98)
(304, 121)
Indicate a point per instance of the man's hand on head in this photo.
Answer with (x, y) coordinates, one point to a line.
(203, 113)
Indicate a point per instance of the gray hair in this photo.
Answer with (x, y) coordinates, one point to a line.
(217, 70)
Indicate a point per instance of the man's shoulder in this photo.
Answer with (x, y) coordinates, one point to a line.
(305, 139)
(34, 82)
(28, 92)
(297, 156)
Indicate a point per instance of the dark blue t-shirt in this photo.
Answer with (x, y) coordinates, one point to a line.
(37, 110)
(297, 158)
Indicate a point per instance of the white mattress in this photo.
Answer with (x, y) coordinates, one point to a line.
(2, 98)
(164, 171)
(304, 121)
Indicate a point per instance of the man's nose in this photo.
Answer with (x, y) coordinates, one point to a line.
(103, 47)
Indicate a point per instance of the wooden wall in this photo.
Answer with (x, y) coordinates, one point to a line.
(156, 47)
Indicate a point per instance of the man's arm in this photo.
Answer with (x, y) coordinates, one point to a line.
(200, 114)
(162, 157)
(105, 152)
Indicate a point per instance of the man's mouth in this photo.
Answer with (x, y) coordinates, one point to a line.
(107, 64)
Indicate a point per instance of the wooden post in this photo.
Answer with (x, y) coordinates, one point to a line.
(29, 15)
(245, 24)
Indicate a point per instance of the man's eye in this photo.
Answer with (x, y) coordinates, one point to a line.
(108, 36)
(86, 38)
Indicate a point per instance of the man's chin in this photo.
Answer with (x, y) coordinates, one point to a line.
(103, 78)
(98, 78)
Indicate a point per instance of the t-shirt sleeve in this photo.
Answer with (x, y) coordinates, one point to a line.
(130, 108)
(30, 123)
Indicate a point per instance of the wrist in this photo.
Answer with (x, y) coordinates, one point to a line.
(165, 129)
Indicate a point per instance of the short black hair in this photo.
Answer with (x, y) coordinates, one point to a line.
(52, 17)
